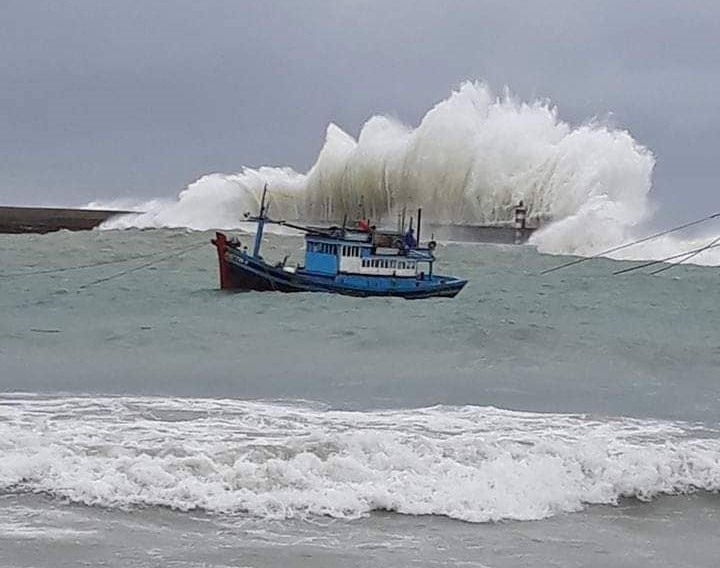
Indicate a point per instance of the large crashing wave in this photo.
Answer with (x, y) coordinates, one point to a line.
(273, 461)
(470, 160)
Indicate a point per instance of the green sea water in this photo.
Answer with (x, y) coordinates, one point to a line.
(530, 419)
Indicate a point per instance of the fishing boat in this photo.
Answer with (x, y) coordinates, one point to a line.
(354, 261)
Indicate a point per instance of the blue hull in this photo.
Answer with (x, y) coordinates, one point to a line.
(240, 271)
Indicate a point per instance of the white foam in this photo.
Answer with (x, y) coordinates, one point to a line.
(275, 461)
(470, 160)
(217, 201)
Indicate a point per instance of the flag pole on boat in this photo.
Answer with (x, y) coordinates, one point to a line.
(260, 224)
(419, 219)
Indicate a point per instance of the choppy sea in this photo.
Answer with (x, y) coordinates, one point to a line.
(149, 419)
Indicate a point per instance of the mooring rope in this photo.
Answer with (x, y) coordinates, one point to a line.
(177, 254)
(667, 259)
(637, 242)
(691, 254)
(79, 267)
(91, 265)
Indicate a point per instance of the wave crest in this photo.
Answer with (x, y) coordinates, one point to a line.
(470, 160)
(272, 461)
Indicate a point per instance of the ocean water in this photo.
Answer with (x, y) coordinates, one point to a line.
(147, 418)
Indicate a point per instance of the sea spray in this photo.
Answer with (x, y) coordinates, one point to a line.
(471, 159)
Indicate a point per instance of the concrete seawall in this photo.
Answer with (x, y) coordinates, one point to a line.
(49, 219)
(500, 234)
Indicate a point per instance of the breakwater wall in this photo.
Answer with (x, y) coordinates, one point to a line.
(49, 219)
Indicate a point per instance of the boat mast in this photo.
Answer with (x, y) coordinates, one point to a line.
(419, 219)
(260, 224)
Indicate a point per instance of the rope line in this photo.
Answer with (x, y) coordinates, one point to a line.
(140, 267)
(80, 267)
(690, 254)
(85, 266)
(637, 242)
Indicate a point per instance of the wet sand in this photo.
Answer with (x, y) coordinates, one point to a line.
(670, 531)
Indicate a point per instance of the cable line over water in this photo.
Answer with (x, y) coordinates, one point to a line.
(689, 254)
(177, 254)
(636, 242)
(93, 264)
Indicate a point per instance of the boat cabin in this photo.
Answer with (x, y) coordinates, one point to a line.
(360, 253)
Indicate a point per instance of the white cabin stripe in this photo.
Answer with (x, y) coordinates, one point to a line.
(378, 266)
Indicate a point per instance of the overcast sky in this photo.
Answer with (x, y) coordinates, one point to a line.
(102, 99)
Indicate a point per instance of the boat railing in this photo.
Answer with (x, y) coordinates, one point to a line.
(422, 254)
